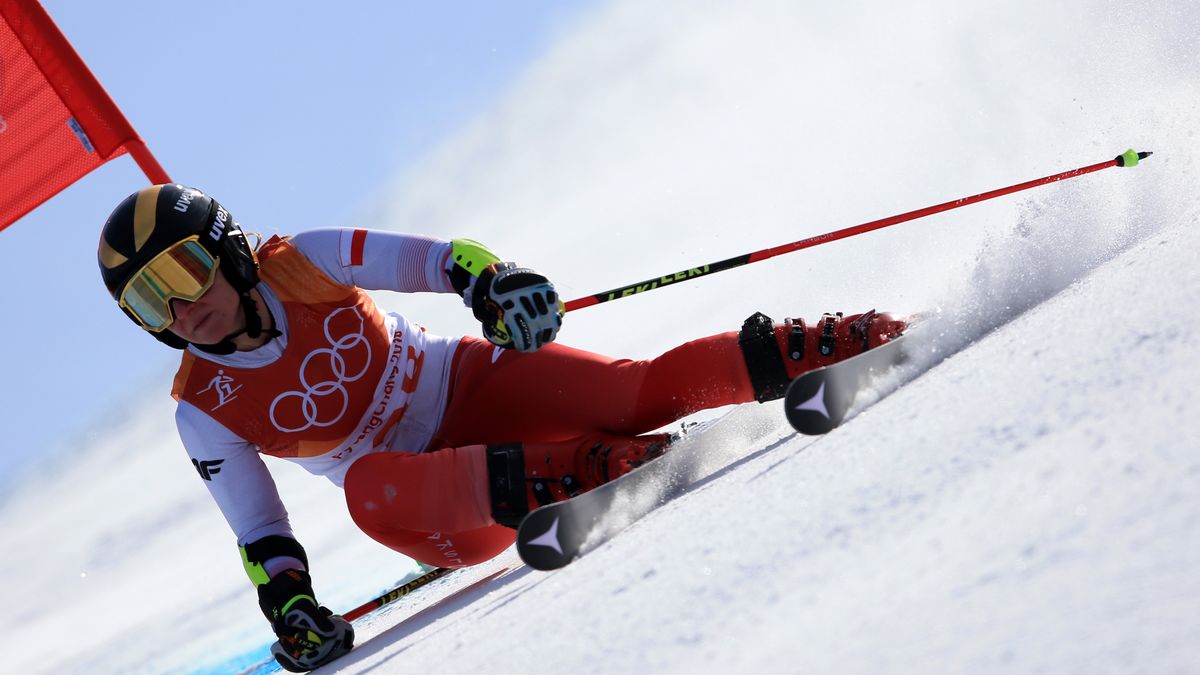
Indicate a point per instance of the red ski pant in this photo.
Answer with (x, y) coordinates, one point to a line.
(435, 506)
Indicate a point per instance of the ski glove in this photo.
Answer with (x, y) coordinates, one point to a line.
(309, 635)
(519, 308)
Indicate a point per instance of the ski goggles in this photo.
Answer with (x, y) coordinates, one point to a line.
(183, 272)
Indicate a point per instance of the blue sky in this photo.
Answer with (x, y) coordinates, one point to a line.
(292, 114)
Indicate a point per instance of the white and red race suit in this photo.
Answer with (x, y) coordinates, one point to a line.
(348, 385)
(341, 381)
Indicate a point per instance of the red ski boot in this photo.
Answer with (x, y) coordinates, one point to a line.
(776, 354)
(524, 476)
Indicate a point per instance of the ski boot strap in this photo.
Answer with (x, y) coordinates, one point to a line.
(506, 482)
(768, 374)
(861, 327)
(827, 343)
(514, 492)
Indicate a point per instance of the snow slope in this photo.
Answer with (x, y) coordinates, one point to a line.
(1029, 503)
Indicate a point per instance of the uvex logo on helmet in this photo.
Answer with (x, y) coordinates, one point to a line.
(218, 226)
(184, 201)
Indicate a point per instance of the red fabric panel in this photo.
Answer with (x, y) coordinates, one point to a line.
(558, 393)
(56, 121)
(357, 242)
(433, 507)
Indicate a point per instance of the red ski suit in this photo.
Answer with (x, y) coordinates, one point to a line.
(400, 417)
(434, 506)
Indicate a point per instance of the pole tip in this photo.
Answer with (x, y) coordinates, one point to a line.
(1131, 158)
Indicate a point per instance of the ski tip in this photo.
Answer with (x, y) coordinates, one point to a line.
(1131, 157)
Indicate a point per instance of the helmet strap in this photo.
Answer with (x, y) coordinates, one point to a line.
(254, 329)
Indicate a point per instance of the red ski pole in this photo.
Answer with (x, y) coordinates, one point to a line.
(1128, 158)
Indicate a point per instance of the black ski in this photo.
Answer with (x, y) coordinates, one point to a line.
(552, 536)
(817, 401)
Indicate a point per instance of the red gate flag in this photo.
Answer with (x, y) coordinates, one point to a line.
(56, 122)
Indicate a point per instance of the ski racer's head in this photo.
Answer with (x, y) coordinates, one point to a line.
(177, 263)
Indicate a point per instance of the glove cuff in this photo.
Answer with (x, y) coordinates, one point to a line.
(287, 588)
(468, 260)
(259, 551)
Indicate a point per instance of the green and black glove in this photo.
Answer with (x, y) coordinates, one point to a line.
(309, 635)
(518, 307)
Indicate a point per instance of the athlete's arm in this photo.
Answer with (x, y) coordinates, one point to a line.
(238, 481)
(517, 307)
(378, 261)
(309, 635)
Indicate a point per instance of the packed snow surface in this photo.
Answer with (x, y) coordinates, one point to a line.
(1025, 498)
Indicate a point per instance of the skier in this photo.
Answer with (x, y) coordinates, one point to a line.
(441, 444)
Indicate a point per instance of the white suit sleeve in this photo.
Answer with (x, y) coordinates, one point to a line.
(235, 475)
(378, 261)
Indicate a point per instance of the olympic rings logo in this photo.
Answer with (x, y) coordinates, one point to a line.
(323, 374)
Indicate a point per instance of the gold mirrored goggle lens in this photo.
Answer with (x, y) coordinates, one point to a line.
(184, 272)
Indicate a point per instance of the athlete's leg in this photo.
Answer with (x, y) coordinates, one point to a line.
(440, 507)
(559, 393)
(557, 409)
(432, 507)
